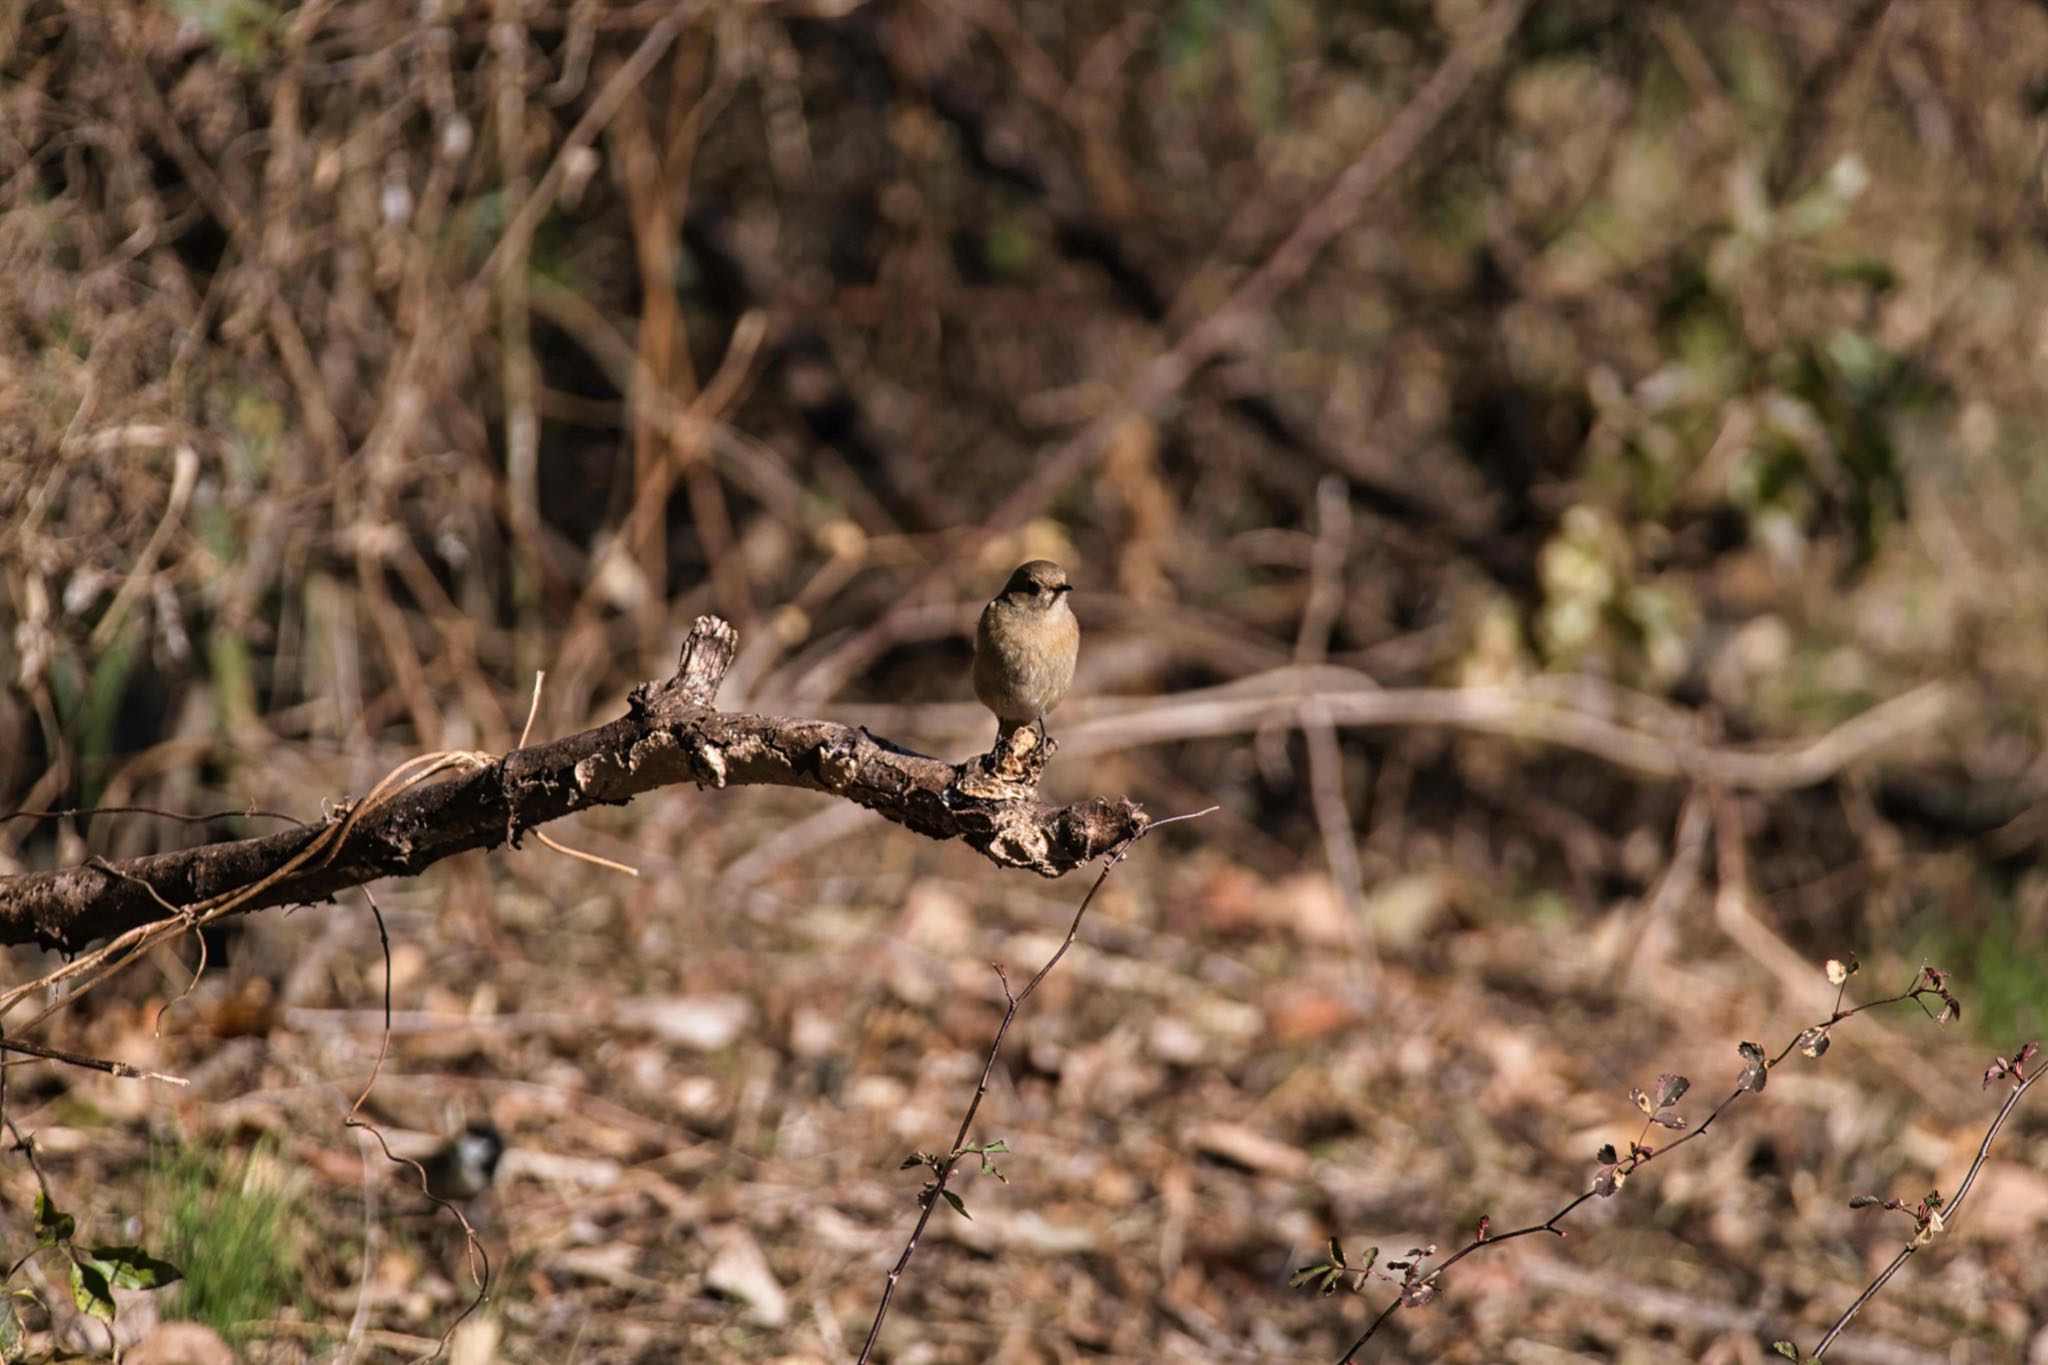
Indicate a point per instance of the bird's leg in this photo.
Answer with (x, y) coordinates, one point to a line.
(1045, 741)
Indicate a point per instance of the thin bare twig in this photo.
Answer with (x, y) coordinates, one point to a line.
(1947, 1215)
(184, 476)
(479, 1258)
(254, 813)
(112, 1068)
(943, 1168)
(525, 731)
(1420, 1282)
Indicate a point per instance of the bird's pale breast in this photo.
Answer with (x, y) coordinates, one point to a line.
(1024, 660)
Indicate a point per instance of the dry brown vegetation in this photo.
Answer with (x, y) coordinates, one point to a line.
(1591, 561)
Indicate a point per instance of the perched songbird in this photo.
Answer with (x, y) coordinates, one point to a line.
(1025, 646)
(465, 1165)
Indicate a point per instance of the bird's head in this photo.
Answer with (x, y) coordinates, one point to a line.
(1037, 586)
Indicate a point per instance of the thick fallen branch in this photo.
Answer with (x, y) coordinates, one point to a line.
(670, 735)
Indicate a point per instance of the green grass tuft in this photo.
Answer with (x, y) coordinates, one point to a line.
(235, 1225)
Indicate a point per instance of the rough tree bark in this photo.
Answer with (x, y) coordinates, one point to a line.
(671, 734)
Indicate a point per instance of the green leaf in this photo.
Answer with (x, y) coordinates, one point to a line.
(958, 1207)
(13, 1337)
(52, 1226)
(1786, 1349)
(1307, 1273)
(91, 1292)
(133, 1268)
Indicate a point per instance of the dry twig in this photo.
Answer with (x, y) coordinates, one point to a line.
(1946, 1215)
(942, 1168)
(1420, 1281)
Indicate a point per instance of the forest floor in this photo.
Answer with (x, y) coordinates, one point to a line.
(709, 1077)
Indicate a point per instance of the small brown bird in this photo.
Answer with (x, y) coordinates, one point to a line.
(1025, 647)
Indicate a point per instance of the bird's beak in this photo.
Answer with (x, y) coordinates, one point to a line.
(1064, 587)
